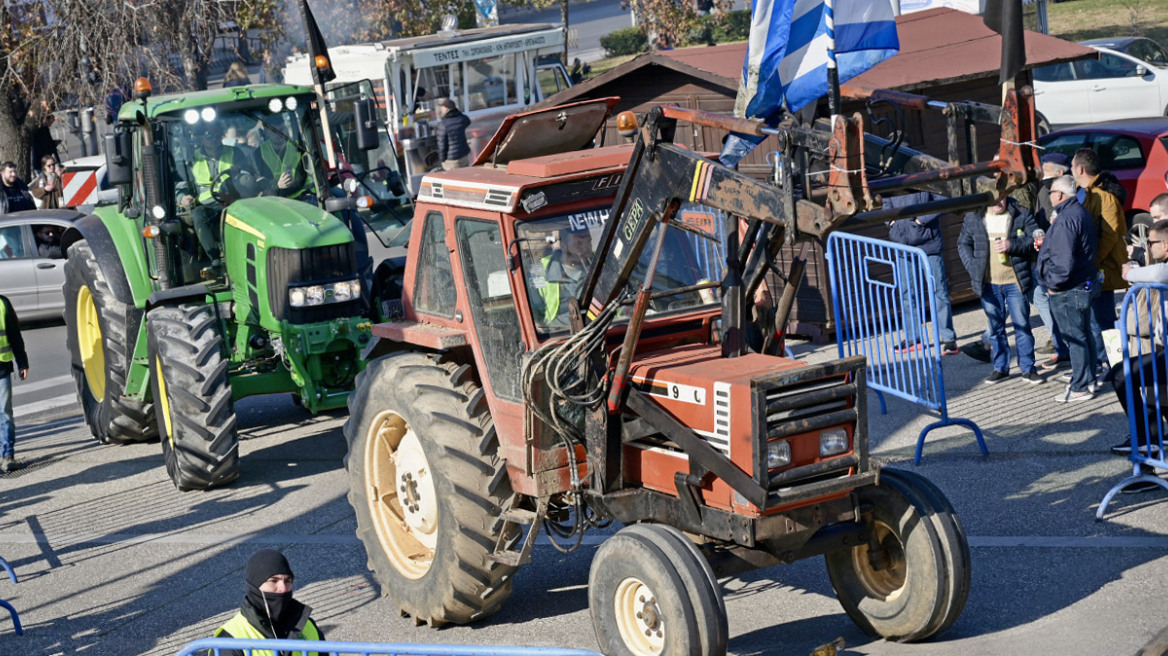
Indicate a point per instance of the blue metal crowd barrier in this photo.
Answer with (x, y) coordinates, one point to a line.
(4, 604)
(1145, 376)
(212, 647)
(881, 296)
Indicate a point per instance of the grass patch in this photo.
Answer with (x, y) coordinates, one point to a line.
(604, 65)
(1093, 19)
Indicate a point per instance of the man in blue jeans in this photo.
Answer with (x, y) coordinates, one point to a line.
(11, 351)
(996, 247)
(923, 232)
(1069, 272)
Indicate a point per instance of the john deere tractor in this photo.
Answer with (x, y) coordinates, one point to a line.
(229, 268)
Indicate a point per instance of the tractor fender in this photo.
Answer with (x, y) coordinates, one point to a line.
(177, 295)
(120, 258)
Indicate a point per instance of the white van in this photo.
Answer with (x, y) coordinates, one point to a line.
(489, 72)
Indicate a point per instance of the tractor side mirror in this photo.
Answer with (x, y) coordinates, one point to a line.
(119, 169)
(367, 135)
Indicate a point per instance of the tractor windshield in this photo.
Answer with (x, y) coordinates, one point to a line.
(557, 253)
(219, 156)
(375, 171)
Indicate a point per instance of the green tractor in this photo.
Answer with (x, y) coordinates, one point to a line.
(233, 265)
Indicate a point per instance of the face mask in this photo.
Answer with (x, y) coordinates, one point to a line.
(229, 142)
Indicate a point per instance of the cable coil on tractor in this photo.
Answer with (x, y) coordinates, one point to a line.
(558, 366)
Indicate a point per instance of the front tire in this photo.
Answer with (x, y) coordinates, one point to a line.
(652, 593)
(98, 329)
(915, 585)
(428, 487)
(196, 417)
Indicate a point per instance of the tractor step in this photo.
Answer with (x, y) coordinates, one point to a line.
(533, 519)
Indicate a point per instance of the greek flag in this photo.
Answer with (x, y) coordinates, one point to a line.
(789, 51)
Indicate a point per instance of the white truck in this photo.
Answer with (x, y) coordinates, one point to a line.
(490, 72)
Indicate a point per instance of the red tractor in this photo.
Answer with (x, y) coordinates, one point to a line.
(572, 348)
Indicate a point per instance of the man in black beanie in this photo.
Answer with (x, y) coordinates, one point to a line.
(268, 610)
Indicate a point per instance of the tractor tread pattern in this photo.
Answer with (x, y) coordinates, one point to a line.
(185, 340)
(115, 419)
(447, 410)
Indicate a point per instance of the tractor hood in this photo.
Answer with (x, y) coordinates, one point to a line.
(286, 223)
(559, 129)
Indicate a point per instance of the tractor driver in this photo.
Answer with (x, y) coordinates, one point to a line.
(564, 272)
(212, 160)
(279, 164)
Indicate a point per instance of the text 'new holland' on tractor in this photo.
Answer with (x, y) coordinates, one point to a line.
(573, 351)
(232, 265)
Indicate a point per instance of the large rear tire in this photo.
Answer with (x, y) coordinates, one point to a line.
(196, 417)
(428, 487)
(99, 332)
(916, 584)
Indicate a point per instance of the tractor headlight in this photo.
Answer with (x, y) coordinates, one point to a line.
(334, 292)
(275, 106)
(833, 442)
(778, 454)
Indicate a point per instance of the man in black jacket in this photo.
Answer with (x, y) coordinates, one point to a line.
(268, 611)
(14, 194)
(923, 232)
(453, 149)
(11, 353)
(1069, 272)
(996, 247)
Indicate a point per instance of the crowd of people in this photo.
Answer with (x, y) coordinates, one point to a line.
(1063, 247)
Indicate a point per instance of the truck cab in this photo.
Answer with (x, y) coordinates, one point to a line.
(489, 72)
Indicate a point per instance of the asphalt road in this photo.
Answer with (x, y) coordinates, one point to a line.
(49, 387)
(112, 560)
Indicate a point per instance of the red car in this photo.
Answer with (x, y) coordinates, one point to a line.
(1135, 150)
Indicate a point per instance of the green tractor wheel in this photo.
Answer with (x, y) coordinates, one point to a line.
(98, 330)
(196, 417)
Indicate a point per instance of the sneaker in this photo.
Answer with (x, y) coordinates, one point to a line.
(1064, 377)
(950, 348)
(1032, 377)
(996, 377)
(1139, 487)
(1124, 449)
(8, 464)
(1054, 362)
(1073, 397)
(905, 347)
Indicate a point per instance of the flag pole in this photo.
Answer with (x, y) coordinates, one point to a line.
(833, 92)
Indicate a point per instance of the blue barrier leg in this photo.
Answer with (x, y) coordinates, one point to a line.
(8, 568)
(883, 408)
(1124, 483)
(15, 617)
(946, 421)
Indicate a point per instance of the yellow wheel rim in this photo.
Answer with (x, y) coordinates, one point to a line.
(638, 618)
(886, 582)
(89, 342)
(401, 495)
(163, 401)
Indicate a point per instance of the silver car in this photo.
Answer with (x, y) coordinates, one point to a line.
(32, 266)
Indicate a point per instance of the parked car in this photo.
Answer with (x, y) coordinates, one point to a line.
(32, 278)
(1140, 47)
(1115, 86)
(1135, 150)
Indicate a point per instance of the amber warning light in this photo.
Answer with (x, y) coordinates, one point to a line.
(142, 88)
(322, 62)
(626, 124)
